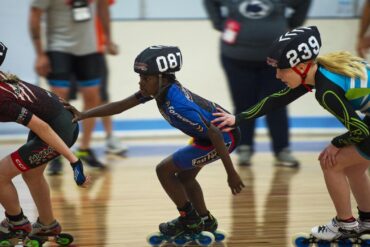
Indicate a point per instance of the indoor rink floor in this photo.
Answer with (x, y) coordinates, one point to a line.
(126, 202)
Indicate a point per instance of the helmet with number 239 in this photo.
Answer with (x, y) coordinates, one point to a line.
(297, 46)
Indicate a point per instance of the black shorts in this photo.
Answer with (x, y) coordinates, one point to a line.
(104, 95)
(86, 70)
(364, 148)
(36, 152)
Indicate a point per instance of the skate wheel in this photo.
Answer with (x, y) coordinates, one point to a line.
(33, 243)
(64, 239)
(364, 240)
(345, 243)
(220, 235)
(6, 243)
(205, 238)
(180, 240)
(154, 239)
(323, 243)
(301, 240)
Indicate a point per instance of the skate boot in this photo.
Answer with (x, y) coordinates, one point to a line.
(335, 230)
(41, 230)
(286, 159)
(51, 233)
(244, 155)
(182, 230)
(14, 230)
(211, 225)
(55, 166)
(88, 156)
(182, 225)
(364, 226)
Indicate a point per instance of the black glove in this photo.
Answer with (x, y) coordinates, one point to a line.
(78, 172)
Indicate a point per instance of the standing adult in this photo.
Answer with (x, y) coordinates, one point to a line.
(105, 46)
(248, 29)
(71, 51)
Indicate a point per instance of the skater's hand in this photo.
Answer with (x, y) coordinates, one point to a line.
(77, 115)
(78, 173)
(328, 156)
(224, 121)
(235, 183)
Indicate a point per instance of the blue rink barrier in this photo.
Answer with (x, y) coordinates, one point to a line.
(157, 127)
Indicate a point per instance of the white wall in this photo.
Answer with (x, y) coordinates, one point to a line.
(201, 71)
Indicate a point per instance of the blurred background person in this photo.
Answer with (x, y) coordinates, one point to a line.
(363, 40)
(71, 51)
(113, 144)
(248, 28)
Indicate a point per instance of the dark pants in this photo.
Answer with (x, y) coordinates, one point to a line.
(249, 82)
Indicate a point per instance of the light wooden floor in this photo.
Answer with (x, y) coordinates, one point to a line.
(126, 203)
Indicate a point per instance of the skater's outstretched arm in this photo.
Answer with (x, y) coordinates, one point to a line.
(106, 109)
(233, 179)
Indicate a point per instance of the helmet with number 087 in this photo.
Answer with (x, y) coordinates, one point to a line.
(294, 47)
(158, 60)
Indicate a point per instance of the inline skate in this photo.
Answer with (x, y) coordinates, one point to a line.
(16, 233)
(211, 225)
(50, 233)
(335, 233)
(181, 231)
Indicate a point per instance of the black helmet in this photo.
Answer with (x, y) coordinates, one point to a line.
(3, 50)
(294, 47)
(158, 59)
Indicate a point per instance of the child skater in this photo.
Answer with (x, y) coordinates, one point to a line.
(51, 134)
(192, 115)
(342, 86)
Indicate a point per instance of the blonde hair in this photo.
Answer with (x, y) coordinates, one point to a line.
(9, 78)
(344, 63)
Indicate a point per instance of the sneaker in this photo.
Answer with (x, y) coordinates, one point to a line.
(336, 230)
(286, 159)
(88, 156)
(17, 228)
(244, 155)
(55, 166)
(114, 145)
(364, 226)
(41, 230)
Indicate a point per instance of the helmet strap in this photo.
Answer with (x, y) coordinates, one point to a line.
(160, 82)
(304, 75)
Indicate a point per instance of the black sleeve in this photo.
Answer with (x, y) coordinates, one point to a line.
(333, 99)
(272, 102)
(213, 8)
(300, 8)
(142, 98)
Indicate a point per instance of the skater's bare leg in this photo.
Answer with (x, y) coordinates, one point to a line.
(40, 192)
(193, 190)
(336, 180)
(8, 193)
(166, 172)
